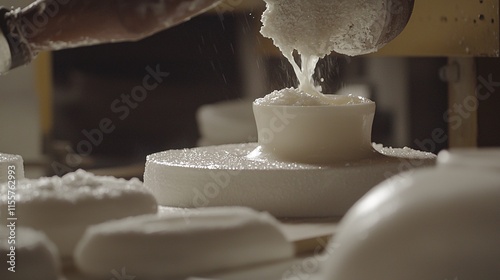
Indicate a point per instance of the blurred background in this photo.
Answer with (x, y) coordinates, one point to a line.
(436, 86)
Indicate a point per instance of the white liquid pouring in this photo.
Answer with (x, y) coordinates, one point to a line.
(315, 28)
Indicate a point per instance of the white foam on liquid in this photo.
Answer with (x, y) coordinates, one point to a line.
(296, 97)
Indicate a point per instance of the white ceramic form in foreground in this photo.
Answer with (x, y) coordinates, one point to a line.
(432, 223)
(316, 134)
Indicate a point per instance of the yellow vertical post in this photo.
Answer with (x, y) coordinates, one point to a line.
(44, 87)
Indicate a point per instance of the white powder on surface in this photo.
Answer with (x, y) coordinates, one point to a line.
(78, 186)
(62, 207)
(178, 178)
(296, 97)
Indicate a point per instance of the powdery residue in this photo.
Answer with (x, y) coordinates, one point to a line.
(315, 28)
(296, 97)
(318, 27)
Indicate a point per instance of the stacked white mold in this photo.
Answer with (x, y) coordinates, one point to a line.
(228, 175)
